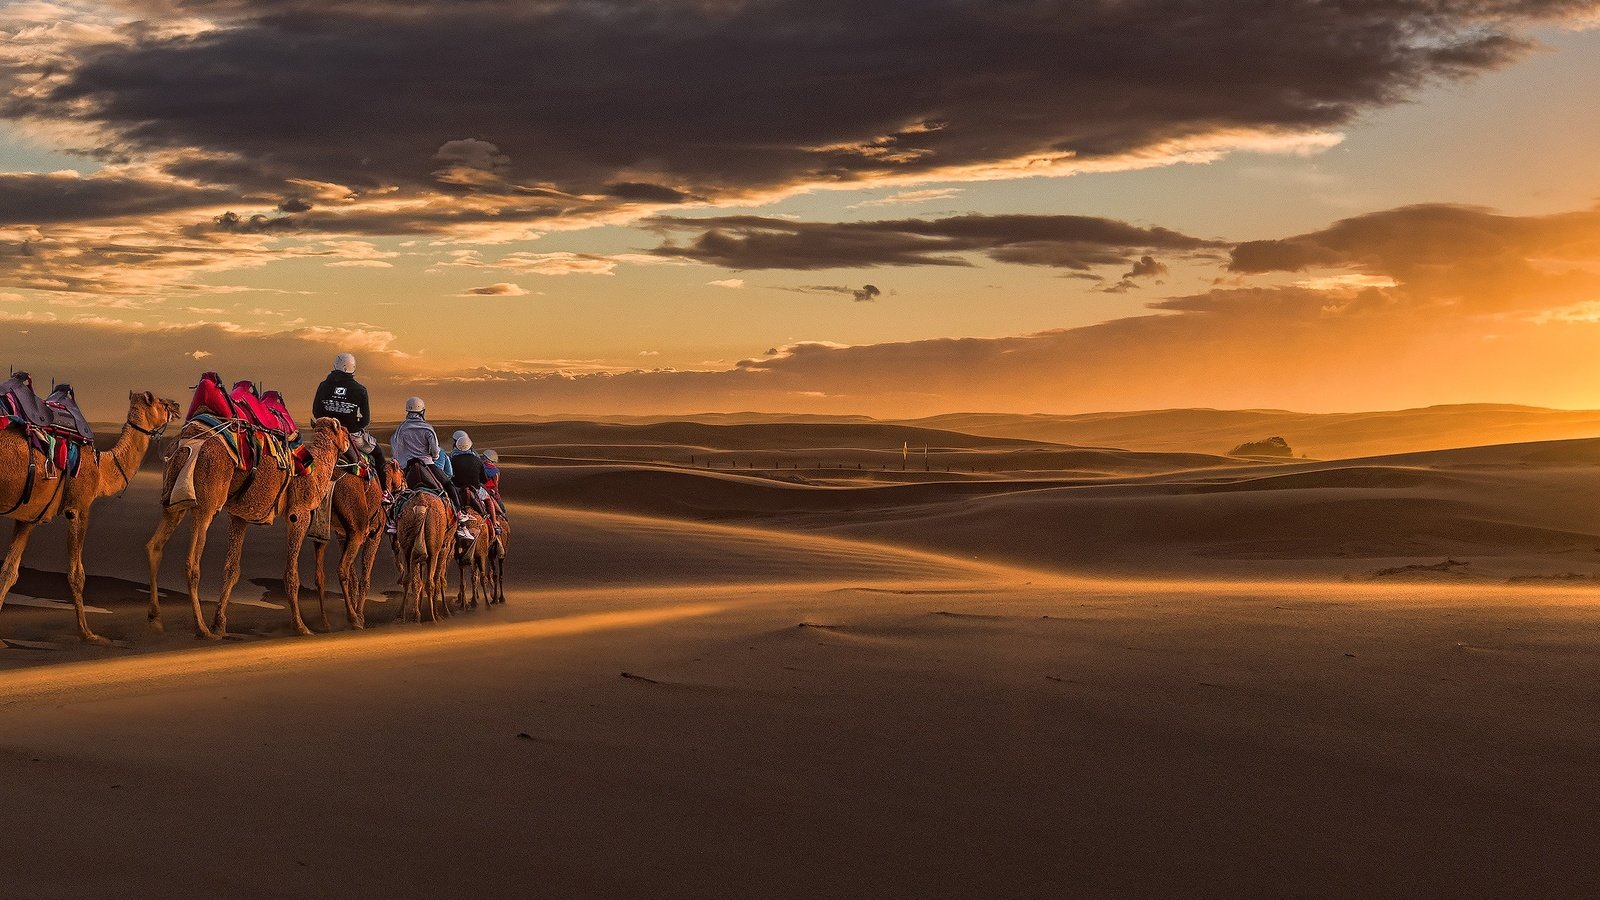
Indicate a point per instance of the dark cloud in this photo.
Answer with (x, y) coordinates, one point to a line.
(1146, 267)
(254, 224)
(294, 205)
(1072, 242)
(46, 199)
(645, 192)
(655, 100)
(1441, 254)
(864, 294)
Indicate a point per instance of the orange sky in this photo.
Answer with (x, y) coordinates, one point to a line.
(894, 209)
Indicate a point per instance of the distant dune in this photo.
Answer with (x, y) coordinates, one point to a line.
(1318, 435)
(1321, 436)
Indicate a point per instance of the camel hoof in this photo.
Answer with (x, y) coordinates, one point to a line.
(95, 639)
(157, 627)
(201, 634)
(303, 631)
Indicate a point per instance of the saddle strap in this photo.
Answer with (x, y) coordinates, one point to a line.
(27, 486)
(54, 505)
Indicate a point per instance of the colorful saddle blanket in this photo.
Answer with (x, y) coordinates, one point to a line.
(251, 447)
(54, 426)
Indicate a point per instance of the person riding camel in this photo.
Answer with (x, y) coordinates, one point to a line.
(415, 446)
(340, 396)
(491, 479)
(467, 472)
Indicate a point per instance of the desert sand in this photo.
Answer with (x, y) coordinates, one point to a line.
(1009, 668)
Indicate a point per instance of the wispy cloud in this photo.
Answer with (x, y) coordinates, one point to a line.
(498, 289)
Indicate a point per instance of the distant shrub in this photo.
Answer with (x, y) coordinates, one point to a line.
(1272, 446)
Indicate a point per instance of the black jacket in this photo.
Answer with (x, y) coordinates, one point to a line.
(342, 397)
(466, 469)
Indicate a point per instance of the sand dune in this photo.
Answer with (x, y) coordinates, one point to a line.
(1511, 511)
(1075, 671)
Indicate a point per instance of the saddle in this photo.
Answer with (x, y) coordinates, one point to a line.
(211, 398)
(57, 415)
(265, 411)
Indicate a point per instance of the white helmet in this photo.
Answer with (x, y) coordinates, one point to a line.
(346, 363)
(415, 404)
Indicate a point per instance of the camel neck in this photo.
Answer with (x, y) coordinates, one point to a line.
(126, 455)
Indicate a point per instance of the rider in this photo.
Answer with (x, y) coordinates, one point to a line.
(415, 446)
(467, 472)
(340, 396)
(491, 478)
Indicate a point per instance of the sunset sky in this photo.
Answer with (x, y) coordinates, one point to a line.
(895, 208)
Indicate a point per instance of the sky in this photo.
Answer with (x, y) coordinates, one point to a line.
(900, 208)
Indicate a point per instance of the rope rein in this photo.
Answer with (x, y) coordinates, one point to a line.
(154, 434)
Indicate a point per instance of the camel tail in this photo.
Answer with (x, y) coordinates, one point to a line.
(419, 544)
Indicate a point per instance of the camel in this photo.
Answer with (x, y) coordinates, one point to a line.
(99, 475)
(497, 561)
(254, 497)
(358, 519)
(473, 562)
(423, 538)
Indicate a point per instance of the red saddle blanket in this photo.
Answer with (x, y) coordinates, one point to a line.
(266, 411)
(211, 398)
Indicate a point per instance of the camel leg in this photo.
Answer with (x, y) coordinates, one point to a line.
(171, 518)
(77, 529)
(318, 550)
(13, 563)
(461, 591)
(369, 558)
(429, 586)
(231, 565)
(441, 583)
(413, 587)
(355, 545)
(298, 525)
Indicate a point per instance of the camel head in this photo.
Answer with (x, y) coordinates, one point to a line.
(393, 478)
(149, 412)
(337, 436)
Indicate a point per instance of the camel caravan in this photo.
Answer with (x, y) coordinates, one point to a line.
(239, 451)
